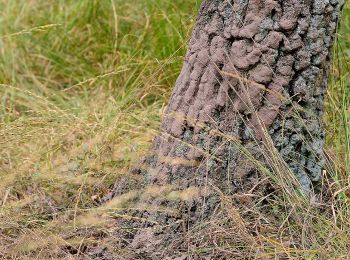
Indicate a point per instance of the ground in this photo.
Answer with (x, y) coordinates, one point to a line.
(83, 85)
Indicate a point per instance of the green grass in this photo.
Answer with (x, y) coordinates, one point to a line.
(83, 85)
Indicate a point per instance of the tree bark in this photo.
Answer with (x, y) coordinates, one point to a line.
(250, 65)
(253, 80)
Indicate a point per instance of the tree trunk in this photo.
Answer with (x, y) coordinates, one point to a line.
(253, 81)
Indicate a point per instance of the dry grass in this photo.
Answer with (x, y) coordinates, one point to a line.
(83, 85)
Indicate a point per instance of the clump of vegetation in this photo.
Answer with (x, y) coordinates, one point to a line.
(83, 85)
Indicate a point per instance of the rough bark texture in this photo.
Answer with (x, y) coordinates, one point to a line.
(251, 65)
(251, 62)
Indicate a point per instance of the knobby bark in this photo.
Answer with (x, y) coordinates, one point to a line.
(254, 68)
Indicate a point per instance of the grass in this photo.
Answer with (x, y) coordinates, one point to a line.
(83, 85)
